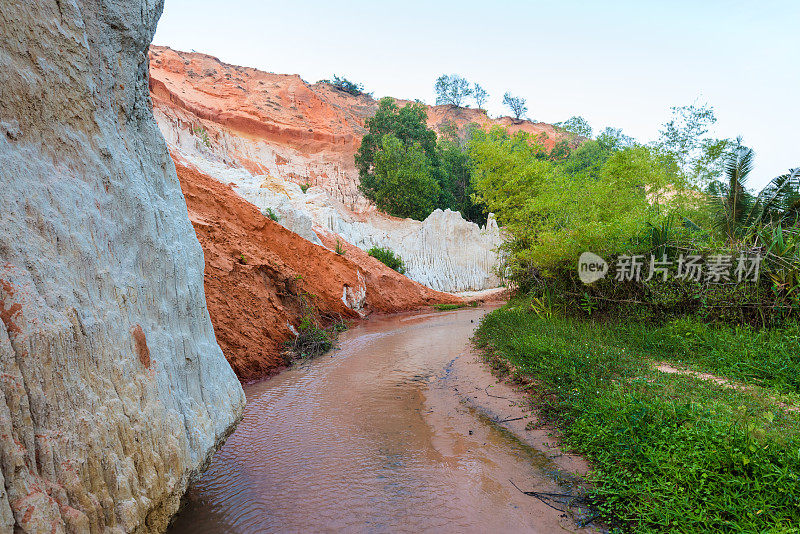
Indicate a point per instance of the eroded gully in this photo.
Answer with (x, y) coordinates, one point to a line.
(394, 432)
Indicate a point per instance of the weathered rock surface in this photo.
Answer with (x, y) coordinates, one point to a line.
(113, 390)
(267, 134)
(278, 124)
(261, 277)
(443, 252)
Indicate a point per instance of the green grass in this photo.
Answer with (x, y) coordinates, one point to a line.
(670, 453)
(448, 307)
(767, 358)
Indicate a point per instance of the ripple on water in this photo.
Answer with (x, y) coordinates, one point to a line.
(370, 440)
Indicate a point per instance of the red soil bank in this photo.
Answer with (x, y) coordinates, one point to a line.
(256, 272)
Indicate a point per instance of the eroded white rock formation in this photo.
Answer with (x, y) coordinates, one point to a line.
(443, 252)
(113, 390)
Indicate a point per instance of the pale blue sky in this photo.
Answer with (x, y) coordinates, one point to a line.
(617, 63)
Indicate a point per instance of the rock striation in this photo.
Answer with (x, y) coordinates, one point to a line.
(268, 134)
(113, 389)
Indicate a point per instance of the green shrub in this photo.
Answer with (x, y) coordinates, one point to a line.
(202, 133)
(388, 258)
(345, 85)
(269, 212)
(312, 338)
(340, 250)
(304, 187)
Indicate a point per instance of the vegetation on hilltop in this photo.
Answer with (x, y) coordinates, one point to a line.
(346, 86)
(516, 104)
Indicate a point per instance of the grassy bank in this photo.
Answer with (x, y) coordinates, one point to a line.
(671, 452)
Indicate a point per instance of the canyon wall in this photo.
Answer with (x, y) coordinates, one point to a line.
(268, 134)
(113, 389)
(261, 278)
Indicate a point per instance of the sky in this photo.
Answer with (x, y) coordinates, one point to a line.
(616, 63)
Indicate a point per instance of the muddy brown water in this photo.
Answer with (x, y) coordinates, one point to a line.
(383, 435)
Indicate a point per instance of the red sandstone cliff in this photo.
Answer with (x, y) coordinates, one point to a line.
(278, 124)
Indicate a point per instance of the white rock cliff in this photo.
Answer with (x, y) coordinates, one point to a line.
(113, 390)
(443, 252)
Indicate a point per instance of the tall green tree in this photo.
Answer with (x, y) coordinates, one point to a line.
(685, 138)
(405, 186)
(576, 125)
(408, 124)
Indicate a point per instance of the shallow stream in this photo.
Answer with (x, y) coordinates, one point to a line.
(382, 435)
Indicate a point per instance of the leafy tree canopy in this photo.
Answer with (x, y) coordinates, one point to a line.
(452, 89)
(408, 124)
(685, 138)
(405, 186)
(576, 125)
(407, 173)
(516, 104)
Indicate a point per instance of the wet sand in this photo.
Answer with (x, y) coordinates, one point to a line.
(394, 432)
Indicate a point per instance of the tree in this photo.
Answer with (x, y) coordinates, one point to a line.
(613, 138)
(779, 201)
(408, 124)
(516, 104)
(452, 89)
(576, 125)
(480, 95)
(701, 158)
(405, 184)
(733, 199)
(553, 211)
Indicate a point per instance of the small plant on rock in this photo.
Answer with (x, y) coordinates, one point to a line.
(202, 133)
(269, 212)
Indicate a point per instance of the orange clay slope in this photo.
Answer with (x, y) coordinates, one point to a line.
(257, 275)
(280, 125)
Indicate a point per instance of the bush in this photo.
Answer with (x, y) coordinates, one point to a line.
(340, 250)
(388, 258)
(345, 85)
(311, 340)
(269, 212)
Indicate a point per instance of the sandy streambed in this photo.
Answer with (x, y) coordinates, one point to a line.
(395, 432)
